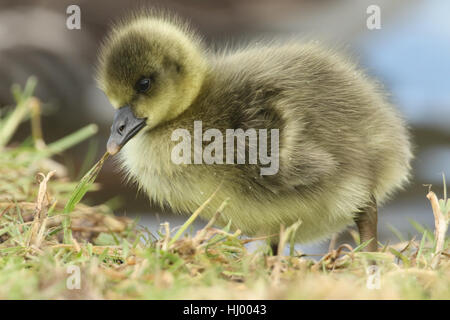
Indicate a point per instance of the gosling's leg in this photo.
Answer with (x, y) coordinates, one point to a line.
(367, 220)
(274, 247)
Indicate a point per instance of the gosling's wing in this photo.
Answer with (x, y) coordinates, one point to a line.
(264, 88)
(301, 160)
(288, 154)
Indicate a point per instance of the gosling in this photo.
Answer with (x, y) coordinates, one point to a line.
(343, 148)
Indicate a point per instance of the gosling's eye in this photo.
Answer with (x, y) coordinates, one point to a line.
(143, 85)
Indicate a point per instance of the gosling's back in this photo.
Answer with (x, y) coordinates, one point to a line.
(334, 121)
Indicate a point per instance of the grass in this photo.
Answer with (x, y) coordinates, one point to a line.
(48, 238)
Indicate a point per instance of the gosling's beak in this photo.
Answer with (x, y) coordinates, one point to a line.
(125, 126)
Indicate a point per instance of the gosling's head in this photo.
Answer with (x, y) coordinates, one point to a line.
(151, 68)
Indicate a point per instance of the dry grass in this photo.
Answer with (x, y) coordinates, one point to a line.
(44, 231)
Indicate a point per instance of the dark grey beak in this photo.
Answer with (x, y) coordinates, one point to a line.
(125, 126)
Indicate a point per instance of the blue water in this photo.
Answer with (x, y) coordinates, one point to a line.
(412, 57)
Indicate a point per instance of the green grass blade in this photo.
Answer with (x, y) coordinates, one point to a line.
(396, 232)
(421, 229)
(445, 187)
(22, 110)
(422, 244)
(400, 256)
(80, 190)
(69, 141)
(89, 159)
(191, 219)
(363, 245)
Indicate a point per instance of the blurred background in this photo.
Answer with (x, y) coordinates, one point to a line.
(410, 55)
